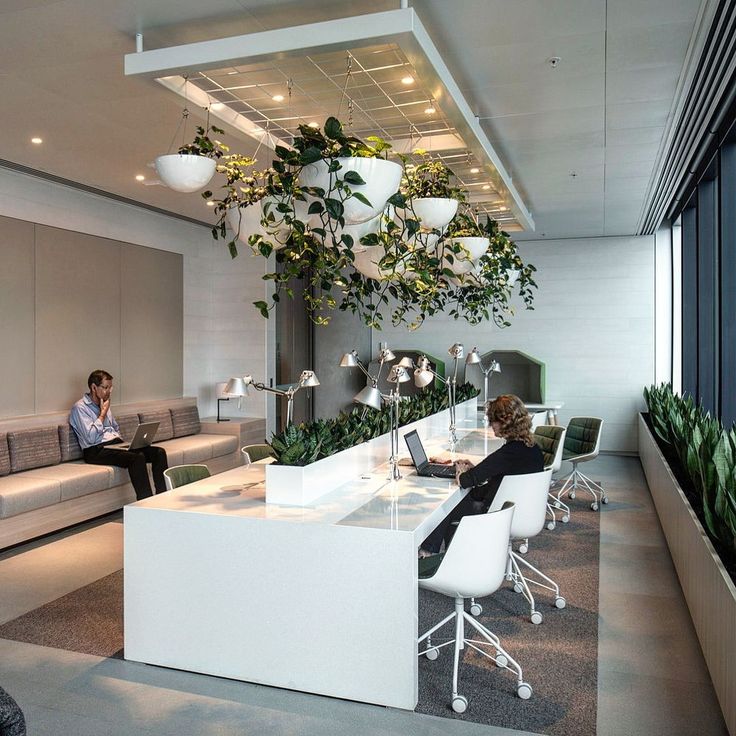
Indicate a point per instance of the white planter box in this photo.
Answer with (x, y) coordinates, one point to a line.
(300, 485)
(709, 591)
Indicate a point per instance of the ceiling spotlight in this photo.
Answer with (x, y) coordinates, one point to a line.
(210, 203)
(37, 141)
(430, 110)
(502, 209)
(313, 124)
(475, 170)
(407, 80)
(217, 105)
(486, 186)
(278, 98)
(140, 177)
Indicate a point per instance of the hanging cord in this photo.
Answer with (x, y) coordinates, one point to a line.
(349, 71)
(184, 117)
(289, 88)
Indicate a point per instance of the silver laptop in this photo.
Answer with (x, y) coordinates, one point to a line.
(143, 437)
(421, 463)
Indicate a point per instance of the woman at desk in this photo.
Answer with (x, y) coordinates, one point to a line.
(510, 420)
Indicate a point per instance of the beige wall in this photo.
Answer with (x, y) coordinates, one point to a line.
(72, 302)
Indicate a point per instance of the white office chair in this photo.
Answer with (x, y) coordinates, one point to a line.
(551, 441)
(538, 419)
(582, 444)
(474, 565)
(528, 493)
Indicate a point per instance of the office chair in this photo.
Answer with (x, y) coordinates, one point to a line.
(551, 441)
(582, 444)
(181, 475)
(528, 493)
(254, 453)
(459, 576)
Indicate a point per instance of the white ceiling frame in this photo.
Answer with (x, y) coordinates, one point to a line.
(401, 27)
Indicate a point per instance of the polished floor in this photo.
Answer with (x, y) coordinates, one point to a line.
(651, 676)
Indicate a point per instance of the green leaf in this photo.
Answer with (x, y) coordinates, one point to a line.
(362, 198)
(333, 128)
(353, 177)
(334, 207)
(310, 156)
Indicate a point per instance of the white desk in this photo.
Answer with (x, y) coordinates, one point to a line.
(321, 599)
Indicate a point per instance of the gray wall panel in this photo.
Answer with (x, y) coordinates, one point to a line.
(77, 314)
(152, 328)
(16, 318)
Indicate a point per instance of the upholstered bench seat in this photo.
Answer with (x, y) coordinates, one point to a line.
(21, 493)
(75, 478)
(198, 447)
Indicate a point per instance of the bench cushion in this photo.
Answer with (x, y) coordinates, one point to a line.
(4, 454)
(33, 448)
(165, 427)
(198, 448)
(128, 424)
(185, 420)
(75, 479)
(70, 449)
(19, 494)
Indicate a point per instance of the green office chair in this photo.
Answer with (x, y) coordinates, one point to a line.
(254, 453)
(181, 475)
(551, 441)
(582, 444)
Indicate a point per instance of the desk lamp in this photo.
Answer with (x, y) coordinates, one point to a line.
(398, 375)
(306, 380)
(474, 358)
(235, 387)
(370, 395)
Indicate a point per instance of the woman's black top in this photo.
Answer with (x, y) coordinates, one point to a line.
(513, 458)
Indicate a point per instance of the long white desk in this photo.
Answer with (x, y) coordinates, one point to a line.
(321, 599)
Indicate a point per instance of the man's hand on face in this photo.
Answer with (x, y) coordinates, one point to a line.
(104, 406)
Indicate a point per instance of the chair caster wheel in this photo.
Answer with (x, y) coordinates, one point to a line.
(476, 609)
(594, 506)
(550, 525)
(432, 654)
(571, 494)
(605, 499)
(524, 691)
(501, 661)
(523, 548)
(517, 588)
(557, 505)
(536, 617)
(565, 518)
(560, 602)
(460, 704)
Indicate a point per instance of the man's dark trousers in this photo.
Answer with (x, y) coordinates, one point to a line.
(135, 461)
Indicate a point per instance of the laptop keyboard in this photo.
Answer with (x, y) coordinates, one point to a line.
(440, 471)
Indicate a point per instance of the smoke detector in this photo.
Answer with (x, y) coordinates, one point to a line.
(554, 61)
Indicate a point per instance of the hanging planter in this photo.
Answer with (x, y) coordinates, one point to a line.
(434, 213)
(466, 251)
(367, 262)
(185, 172)
(380, 179)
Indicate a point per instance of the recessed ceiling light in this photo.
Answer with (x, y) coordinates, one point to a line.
(486, 186)
(278, 98)
(430, 110)
(313, 124)
(37, 141)
(140, 177)
(217, 105)
(210, 203)
(474, 171)
(502, 209)
(407, 80)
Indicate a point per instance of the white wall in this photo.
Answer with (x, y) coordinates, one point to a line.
(592, 325)
(223, 334)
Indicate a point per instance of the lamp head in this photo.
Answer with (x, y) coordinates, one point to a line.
(456, 351)
(495, 366)
(423, 377)
(308, 378)
(385, 355)
(349, 360)
(473, 357)
(406, 362)
(369, 396)
(398, 374)
(423, 362)
(236, 387)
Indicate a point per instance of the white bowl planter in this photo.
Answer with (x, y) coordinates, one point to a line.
(277, 231)
(381, 177)
(185, 172)
(356, 232)
(367, 260)
(245, 221)
(464, 261)
(434, 213)
(512, 276)
(708, 589)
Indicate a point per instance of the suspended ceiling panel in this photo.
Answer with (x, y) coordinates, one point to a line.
(302, 75)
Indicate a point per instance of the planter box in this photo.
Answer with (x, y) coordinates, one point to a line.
(709, 591)
(300, 485)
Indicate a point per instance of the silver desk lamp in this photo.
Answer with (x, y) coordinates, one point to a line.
(306, 380)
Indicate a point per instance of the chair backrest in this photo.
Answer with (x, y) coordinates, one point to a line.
(528, 492)
(475, 562)
(538, 418)
(180, 475)
(551, 440)
(254, 453)
(583, 436)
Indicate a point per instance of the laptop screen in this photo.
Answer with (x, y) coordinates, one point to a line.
(416, 450)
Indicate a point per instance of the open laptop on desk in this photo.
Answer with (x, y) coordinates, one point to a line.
(143, 437)
(421, 462)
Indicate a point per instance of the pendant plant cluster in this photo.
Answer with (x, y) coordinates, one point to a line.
(308, 442)
(390, 261)
(706, 453)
